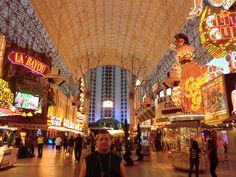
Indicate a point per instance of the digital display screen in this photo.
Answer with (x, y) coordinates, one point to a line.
(26, 101)
(230, 85)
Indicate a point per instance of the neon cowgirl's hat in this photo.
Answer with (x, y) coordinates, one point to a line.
(182, 36)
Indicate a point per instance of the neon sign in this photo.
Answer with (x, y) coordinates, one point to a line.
(192, 90)
(188, 95)
(28, 62)
(218, 31)
(198, 6)
(78, 128)
(107, 104)
(56, 121)
(222, 26)
(68, 124)
(197, 9)
(5, 93)
(225, 3)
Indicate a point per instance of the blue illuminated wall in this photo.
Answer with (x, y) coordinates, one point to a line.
(109, 83)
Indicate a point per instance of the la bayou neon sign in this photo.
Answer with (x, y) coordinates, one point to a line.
(28, 62)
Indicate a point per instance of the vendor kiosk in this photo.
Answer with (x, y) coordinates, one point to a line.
(145, 139)
(188, 128)
(8, 156)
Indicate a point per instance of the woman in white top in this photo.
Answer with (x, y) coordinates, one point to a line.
(58, 144)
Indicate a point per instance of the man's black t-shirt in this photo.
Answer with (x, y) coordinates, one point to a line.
(194, 153)
(110, 164)
(71, 142)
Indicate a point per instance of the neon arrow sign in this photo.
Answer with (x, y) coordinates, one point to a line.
(29, 62)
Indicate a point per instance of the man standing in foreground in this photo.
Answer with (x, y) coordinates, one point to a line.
(103, 163)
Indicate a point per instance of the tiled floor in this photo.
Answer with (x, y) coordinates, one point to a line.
(61, 165)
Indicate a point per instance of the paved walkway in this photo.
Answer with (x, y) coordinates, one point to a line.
(61, 165)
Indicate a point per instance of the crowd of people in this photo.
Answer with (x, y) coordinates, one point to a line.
(216, 151)
(73, 145)
(86, 144)
(24, 142)
(103, 153)
(92, 147)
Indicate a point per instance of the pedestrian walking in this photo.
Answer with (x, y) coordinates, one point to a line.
(65, 144)
(40, 140)
(78, 147)
(213, 158)
(58, 144)
(71, 144)
(194, 158)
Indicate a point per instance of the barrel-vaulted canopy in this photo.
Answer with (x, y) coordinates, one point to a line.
(126, 33)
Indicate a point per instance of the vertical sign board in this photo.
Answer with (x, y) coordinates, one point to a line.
(214, 101)
(230, 85)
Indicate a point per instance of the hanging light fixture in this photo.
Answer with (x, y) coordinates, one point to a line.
(29, 114)
(23, 114)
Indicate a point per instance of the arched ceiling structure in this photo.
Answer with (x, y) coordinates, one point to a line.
(133, 34)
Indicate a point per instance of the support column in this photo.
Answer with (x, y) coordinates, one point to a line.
(87, 104)
(2, 50)
(131, 107)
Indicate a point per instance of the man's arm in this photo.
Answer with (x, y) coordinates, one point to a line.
(122, 169)
(83, 169)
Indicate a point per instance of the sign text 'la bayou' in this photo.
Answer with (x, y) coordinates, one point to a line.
(28, 62)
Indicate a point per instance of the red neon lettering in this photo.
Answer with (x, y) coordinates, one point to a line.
(226, 33)
(28, 61)
(32, 63)
(18, 58)
(225, 20)
(35, 64)
(222, 20)
(225, 25)
(233, 18)
(41, 68)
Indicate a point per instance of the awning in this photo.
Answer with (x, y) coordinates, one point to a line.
(206, 126)
(230, 119)
(7, 112)
(190, 124)
(147, 113)
(65, 129)
(28, 126)
(107, 122)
